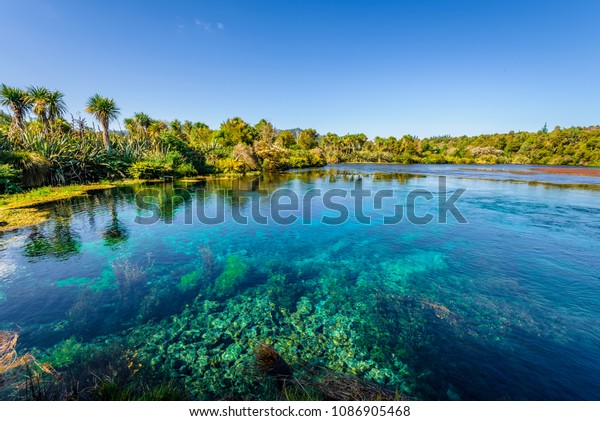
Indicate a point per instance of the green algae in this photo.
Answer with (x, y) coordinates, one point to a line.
(233, 275)
(67, 352)
(74, 281)
(190, 280)
(210, 344)
(106, 280)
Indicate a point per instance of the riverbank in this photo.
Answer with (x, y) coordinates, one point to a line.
(21, 210)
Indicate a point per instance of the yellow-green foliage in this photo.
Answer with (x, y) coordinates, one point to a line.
(67, 353)
(229, 165)
(190, 281)
(233, 275)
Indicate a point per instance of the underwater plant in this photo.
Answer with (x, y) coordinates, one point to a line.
(269, 362)
(233, 275)
(345, 387)
(208, 260)
(203, 271)
(18, 372)
(9, 359)
(131, 280)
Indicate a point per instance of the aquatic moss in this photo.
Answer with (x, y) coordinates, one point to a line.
(74, 281)
(106, 280)
(233, 275)
(211, 345)
(190, 281)
(66, 353)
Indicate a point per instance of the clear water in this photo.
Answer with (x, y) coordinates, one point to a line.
(505, 306)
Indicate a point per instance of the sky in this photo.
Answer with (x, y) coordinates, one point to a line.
(383, 68)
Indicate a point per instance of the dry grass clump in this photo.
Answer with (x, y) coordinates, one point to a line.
(269, 362)
(19, 371)
(318, 383)
(9, 359)
(344, 387)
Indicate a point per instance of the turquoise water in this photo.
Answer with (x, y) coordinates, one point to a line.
(504, 306)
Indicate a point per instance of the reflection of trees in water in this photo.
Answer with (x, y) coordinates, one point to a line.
(164, 199)
(116, 232)
(56, 238)
(400, 177)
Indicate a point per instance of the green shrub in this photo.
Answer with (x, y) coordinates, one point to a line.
(149, 169)
(9, 179)
(158, 166)
(229, 166)
(33, 166)
(186, 170)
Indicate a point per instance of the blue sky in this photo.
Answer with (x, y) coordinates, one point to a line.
(380, 67)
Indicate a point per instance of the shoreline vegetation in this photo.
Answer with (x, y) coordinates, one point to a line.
(41, 149)
(20, 210)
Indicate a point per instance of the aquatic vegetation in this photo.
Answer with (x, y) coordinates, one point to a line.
(270, 362)
(131, 280)
(9, 359)
(107, 280)
(116, 232)
(85, 314)
(368, 312)
(204, 271)
(61, 242)
(190, 281)
(109, 389)
(67, 352)
(232, 276)
(75, 281)
(210, 343)
(209, 263)
(18, 371)
(343, 387)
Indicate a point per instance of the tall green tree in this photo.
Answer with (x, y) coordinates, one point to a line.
(234, 131)
(285, 139)
(39, 98)
(138, 124)
(18, 101)
(56, 106)
(104, 110)
(307, 139)
(266, 132)
(46, 104)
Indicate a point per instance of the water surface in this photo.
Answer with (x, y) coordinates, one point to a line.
(504, 306)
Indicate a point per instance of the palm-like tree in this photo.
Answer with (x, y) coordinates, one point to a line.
(105, 110)
(155, 128)
(38, 97)
(18, 101)
(56, 105)
(46, 104)
(138, 124)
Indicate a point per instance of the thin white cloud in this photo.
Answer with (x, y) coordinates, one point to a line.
(220, 26)
(204, 25)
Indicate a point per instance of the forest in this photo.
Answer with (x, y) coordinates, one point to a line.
(43, 144)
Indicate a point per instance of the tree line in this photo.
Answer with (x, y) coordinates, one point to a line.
(41, 144)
